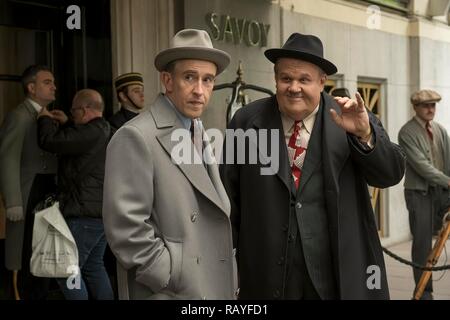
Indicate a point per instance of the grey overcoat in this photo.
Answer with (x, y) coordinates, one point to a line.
(168, 224)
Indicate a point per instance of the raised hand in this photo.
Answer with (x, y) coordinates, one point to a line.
(354, 117)
(44, 112)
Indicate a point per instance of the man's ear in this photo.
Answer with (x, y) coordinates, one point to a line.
(167, 81)
(323, 80)
(122, 96)
(31, 88)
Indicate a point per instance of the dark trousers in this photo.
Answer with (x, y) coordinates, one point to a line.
(424, 209)
(93, 281)
(31, 287)
(299, 285)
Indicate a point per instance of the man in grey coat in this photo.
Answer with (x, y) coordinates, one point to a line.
(427, 178)
(166, 217)
(26, 172)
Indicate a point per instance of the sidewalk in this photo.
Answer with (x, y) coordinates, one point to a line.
(400, 277)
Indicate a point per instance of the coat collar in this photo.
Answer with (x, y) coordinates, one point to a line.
(128, 114)
(167, 122)
(30, 108)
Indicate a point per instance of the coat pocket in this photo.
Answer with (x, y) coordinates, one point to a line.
(176, 263)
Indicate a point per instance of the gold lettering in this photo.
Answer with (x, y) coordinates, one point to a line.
(215, 32)
(231, 29)
(252, 33)
(227, 31)
(239, 26)
(264, 32)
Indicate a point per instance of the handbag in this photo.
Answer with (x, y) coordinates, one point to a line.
(54, 250)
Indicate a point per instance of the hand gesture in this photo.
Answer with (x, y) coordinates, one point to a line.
(59, 116)
(44, 112)
(354, 118)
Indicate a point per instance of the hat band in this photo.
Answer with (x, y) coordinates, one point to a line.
(128, 81)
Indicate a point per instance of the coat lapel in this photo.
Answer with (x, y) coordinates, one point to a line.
(334, 143)
(270, 119)
(167, 122)
(30, 109)
(214, 175)
(313, 151)
(335, 152)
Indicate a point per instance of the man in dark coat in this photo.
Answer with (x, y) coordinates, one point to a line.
(81, 147)
(306, 229)
(130, 93)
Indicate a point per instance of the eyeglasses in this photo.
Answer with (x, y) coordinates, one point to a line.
(73, 110)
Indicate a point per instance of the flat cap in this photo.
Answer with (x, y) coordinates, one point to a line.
(425, 96)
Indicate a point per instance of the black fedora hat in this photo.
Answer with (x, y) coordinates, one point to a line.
(303, 47)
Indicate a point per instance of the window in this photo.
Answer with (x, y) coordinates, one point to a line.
(329, 85)
(401, 5)
(371, 93)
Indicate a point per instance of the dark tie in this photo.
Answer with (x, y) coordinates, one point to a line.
(297, 152)
(429, 130)
(191, 129)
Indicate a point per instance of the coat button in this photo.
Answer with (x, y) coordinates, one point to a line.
(291, 238)
(276, 294)
(285, 227)
(194, 216)
(298, 205)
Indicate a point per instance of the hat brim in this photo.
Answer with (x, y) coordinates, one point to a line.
(274, 54)
(220, 58)
(426, 101)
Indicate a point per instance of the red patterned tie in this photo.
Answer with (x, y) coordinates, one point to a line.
(297, 152)
(429, 130)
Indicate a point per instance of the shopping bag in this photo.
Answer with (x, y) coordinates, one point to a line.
(54, 250)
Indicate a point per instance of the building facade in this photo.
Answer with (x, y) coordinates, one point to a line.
(384, 49)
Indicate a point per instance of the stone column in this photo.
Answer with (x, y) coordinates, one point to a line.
(139, 30)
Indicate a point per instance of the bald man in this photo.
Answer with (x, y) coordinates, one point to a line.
(81, 146)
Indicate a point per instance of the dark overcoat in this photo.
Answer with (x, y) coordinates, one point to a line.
(261, 205)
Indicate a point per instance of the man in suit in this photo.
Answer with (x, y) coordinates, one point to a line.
(130, 93)
(307, 231)
(26, 173)
(427, 179)
(167, 218)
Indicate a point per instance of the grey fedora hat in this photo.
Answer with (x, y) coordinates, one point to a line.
(304, 47)
(192, 44)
